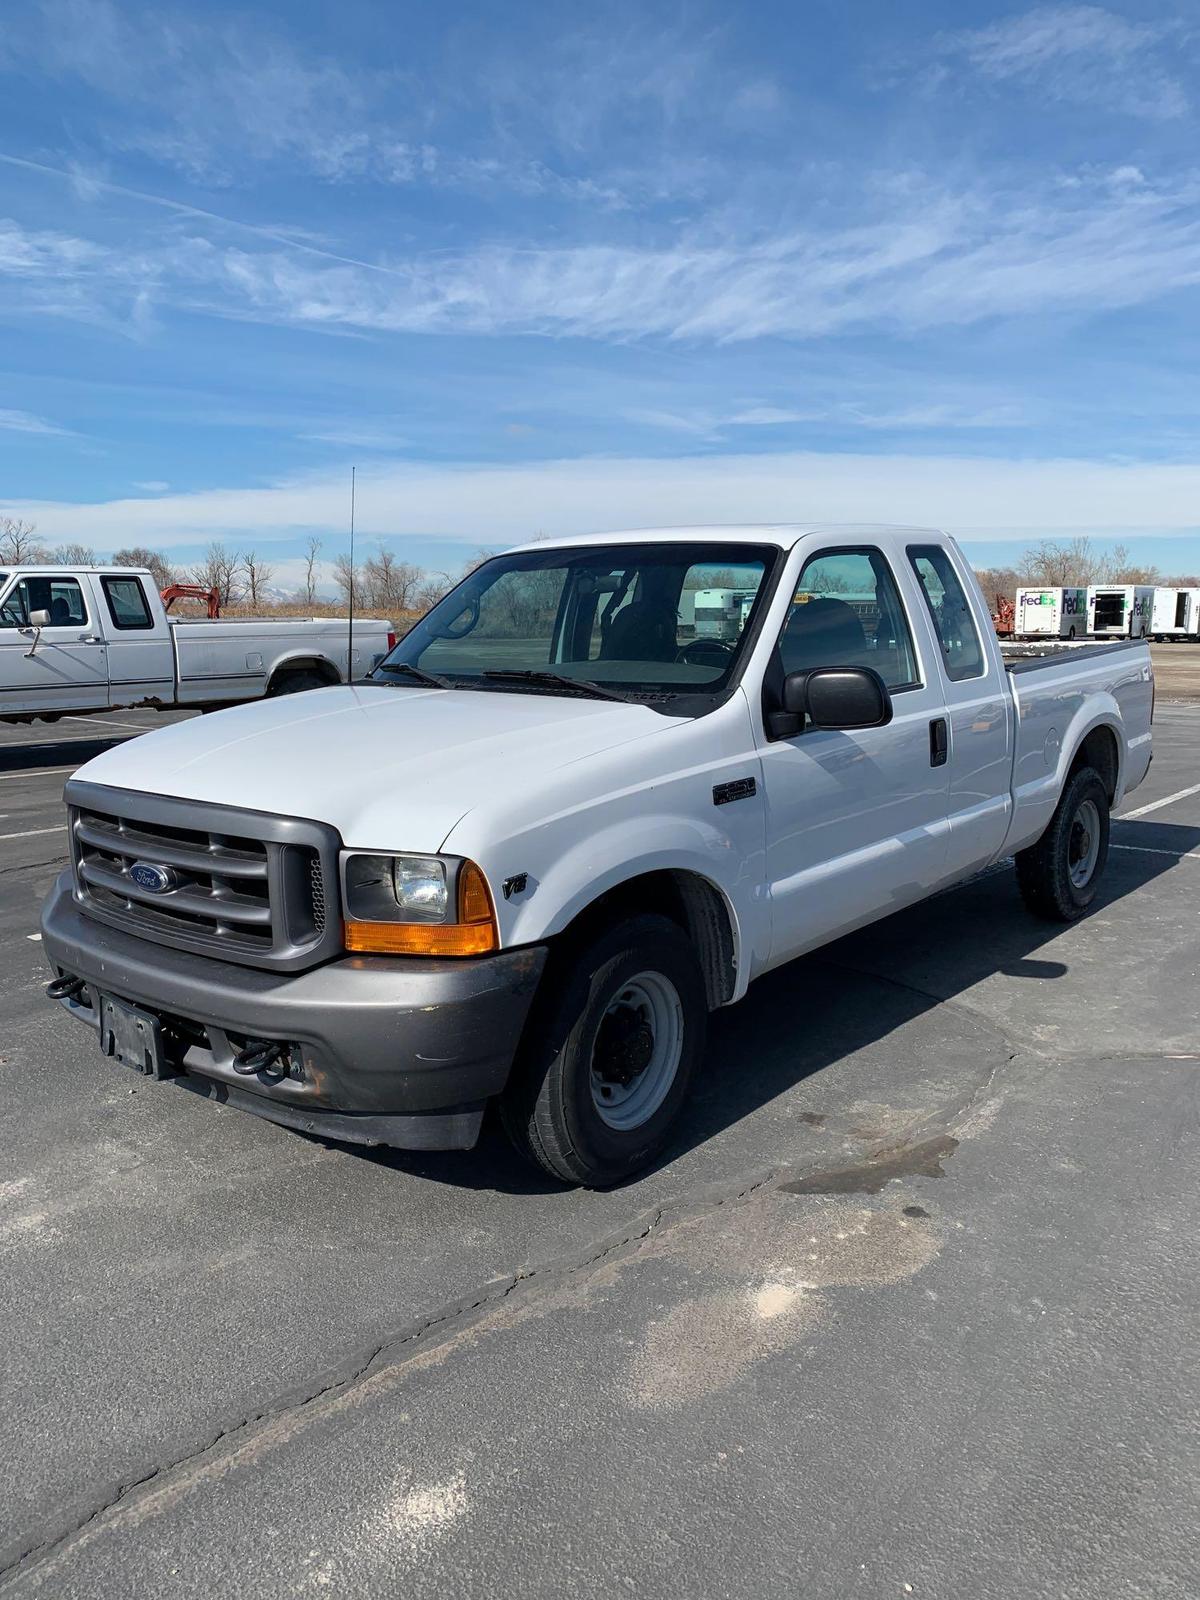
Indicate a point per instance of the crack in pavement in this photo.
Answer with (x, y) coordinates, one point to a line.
(251, 1432)
(19, 1562)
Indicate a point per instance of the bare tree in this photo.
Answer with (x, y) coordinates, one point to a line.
(390, 585)
(18, 545)
(1120, 567)
(311, 552)
(154, 561)
(432, 587)
(1059, 562)
(348, 579)
(220, 570)
(75, 555)
(258, 576)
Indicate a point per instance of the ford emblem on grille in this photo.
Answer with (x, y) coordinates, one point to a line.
(150, 876)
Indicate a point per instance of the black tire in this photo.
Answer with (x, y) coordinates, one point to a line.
(550, 1108)
(1053, 874)
(297, 682)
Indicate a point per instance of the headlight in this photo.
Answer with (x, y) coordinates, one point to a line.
(416, 905)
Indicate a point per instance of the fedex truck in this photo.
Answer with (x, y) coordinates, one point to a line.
(721, 613)
(1119, 610)
(1169, 613)
(1050, 613)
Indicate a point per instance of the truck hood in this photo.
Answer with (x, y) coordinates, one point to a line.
(389, 768)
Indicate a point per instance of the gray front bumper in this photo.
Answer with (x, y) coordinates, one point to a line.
(392, 1050)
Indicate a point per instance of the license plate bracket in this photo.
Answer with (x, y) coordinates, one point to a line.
(134, 1038)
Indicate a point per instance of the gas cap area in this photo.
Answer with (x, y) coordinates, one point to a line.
(1052, 747)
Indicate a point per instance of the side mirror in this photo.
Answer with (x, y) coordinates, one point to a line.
(37, 621)
(833, 697)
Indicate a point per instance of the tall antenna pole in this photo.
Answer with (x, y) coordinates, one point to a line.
(350, 629)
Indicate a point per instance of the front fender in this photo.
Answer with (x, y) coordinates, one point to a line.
(591, 866)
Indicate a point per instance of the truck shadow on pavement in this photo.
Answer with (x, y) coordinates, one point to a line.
(853, 994)
(34, 758)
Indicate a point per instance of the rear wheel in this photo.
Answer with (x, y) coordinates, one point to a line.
(297, 682)
(609, 1053)
(1058, 875)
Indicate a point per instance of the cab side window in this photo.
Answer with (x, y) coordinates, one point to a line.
(953, 623)
(126, 603)
(61, 597)
(846, 612)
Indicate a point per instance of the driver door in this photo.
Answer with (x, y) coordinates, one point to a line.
(856, 820)
(64, 667)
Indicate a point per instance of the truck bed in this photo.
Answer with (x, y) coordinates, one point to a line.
(1029, 656)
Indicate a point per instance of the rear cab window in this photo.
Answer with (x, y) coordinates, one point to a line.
(846, 612)
(950, 612)
(126, 600)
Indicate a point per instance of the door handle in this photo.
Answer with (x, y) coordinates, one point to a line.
(90, 638)
(939, 742)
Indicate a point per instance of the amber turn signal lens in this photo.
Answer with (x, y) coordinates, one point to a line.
(474, 934)
(474, 901)
(421, 939)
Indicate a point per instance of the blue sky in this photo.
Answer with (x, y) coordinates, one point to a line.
(543, 268)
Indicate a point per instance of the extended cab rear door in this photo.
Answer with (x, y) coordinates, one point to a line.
(62, 667)
(980, 711)
(141, 658)
(856, 820)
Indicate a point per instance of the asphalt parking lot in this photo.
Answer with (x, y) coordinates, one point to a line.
(910, 1307)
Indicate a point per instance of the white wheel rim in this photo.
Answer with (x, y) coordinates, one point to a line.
(643, 1042)
(1083, 845)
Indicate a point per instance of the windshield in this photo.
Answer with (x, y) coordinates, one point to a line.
(646, 621)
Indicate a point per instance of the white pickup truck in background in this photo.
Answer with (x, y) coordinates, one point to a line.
(96, 638)
(564, 822)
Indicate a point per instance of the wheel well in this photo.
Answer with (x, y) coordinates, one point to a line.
(1099, 750)
(325, 669)
(684, 897)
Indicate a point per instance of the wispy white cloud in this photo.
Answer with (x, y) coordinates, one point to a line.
(970, 495)
(26, 422)
(224, 99)
(929, 258)
(153, 486)
(1084, 54)
(719, 425)
(938, 260)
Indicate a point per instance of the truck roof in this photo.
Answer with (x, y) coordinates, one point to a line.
(71, 566)
(783, 534)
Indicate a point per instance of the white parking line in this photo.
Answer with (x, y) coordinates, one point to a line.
(1148, 850)
(34, 772)
(1157, 805)
(32, 833)
(111, 722)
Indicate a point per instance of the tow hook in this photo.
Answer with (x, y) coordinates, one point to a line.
(65, 988)
(260, 1055)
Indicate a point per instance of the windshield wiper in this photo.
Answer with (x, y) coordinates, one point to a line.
(558, 680)
(417, 674)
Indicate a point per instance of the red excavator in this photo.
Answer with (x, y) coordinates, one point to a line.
(1004, 617)
(193, 591)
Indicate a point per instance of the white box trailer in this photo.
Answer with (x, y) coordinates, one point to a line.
(1119, 610)
(721, 613)
(1168, 613)
(1190, 599)
(1050, 613)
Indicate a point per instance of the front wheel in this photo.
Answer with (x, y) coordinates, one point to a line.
(1058, 875)
(609, 1054)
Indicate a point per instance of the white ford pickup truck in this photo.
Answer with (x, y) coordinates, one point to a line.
(562, 824)
(95, 638)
